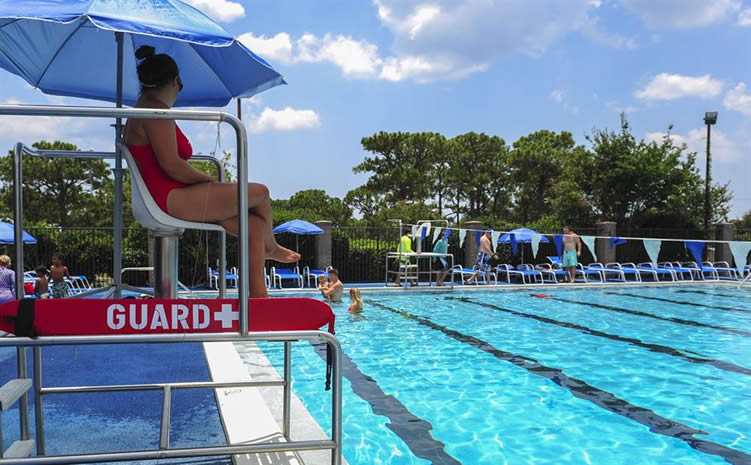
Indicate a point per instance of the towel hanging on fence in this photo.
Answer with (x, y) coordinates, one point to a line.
(462, 237)
(653, 249)
(740, 254)
(494, 236)
(558, 241)
(697, 249)
(616, 241)
(589, 241)
(535, 244)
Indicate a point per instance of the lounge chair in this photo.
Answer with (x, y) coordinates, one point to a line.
(311, 276)
(286, 274)
(724, 267)
(525, 271)
(651, 272)
(680, 270)
(214, 278)
(468, 272)
(661, 272)
(550, 274)
(704, 271)
(557, 265)
(629, 270)
(604, 271)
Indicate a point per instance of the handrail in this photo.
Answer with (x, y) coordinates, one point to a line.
(164, 451)
(31, 151)
(151, 113)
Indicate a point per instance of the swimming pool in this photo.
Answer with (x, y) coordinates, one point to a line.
(612, 375)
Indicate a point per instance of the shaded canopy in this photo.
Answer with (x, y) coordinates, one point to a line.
(298, 227)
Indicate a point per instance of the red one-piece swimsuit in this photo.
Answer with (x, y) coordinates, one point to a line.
(157, 181)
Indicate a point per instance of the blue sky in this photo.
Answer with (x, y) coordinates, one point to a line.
(506, 68)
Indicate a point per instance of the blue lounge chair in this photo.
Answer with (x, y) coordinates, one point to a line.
(468, 272)
(704, 271)
(551, 274)
(628, 271)
(285, 274)
(311, 276)
(214, 278)
(524, 271)
(724, 267)
(680, 270)
(661, 272)
(556, 264)
(619, 274)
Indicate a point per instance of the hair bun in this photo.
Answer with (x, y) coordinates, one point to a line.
(144, 51)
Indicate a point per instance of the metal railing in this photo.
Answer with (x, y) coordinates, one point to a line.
(118, 113)
(165, 451)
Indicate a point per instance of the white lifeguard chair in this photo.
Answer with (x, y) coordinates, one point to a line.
(165, 229)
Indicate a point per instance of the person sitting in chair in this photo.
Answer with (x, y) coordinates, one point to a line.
(162, 152)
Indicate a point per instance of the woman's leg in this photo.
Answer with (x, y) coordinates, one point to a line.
(256, 258)
(217, 203)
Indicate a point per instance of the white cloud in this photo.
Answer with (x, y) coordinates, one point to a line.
(737, 99)
(443, 39)
(220, 10)
(744, 18)
(724, 149)
(287, 119)
(275, 49)
(666, 86)
(558, 95)
(682, 13)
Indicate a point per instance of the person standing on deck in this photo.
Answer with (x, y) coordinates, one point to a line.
(441, 247)
(483, 258)
(7, 281)
(405, 247)
(572, 250)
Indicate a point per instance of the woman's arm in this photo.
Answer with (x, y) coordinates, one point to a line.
(161, 135)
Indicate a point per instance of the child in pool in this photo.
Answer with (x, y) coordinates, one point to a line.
(323, 284)
(356, 304)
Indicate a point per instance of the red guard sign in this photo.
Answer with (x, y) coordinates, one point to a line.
(77, 317)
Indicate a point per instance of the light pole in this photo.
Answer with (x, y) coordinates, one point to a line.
(710, 118)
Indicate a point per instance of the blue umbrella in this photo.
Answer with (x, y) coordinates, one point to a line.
(520, 235)
(86, 48)
(7, 236)
(69, 47)
(298, 227)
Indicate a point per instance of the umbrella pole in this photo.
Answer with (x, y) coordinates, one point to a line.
(117, 263)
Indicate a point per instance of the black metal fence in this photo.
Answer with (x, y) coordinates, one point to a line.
(358, 253)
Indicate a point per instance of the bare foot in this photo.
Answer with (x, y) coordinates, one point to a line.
(282, 254)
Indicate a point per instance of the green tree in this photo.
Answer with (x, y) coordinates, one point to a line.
(479, 175)
(744, 222)
(60, 191)
(630, 181)
(537, 163)
(312, 205)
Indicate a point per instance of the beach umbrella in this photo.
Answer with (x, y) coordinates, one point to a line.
(521, 235)
(298, 228)
(86, 48)
(7, 236)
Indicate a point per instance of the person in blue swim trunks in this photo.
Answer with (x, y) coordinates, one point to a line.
(572, 250)
(483, 258)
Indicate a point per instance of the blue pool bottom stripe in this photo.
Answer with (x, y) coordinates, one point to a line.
(680, 302)
(679, 321)
(722, 365)
(413, 430)
(581, 389)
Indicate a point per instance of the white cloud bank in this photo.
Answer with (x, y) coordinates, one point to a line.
(666, 86)
(682, 14)
(738, 100)
(441, 39)
(287, 119)
(744, 18)
(220, 10)
(724, 149)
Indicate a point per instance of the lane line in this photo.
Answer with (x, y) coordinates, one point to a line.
(581, 389)
(680, 302)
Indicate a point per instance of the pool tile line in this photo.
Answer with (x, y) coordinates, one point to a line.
(679, 302)
(679, 321)
(413, 430)
(658, 348)
(581, 389)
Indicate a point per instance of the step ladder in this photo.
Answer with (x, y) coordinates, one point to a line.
(10, 393)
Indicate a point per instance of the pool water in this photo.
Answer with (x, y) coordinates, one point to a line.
(612, 375)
